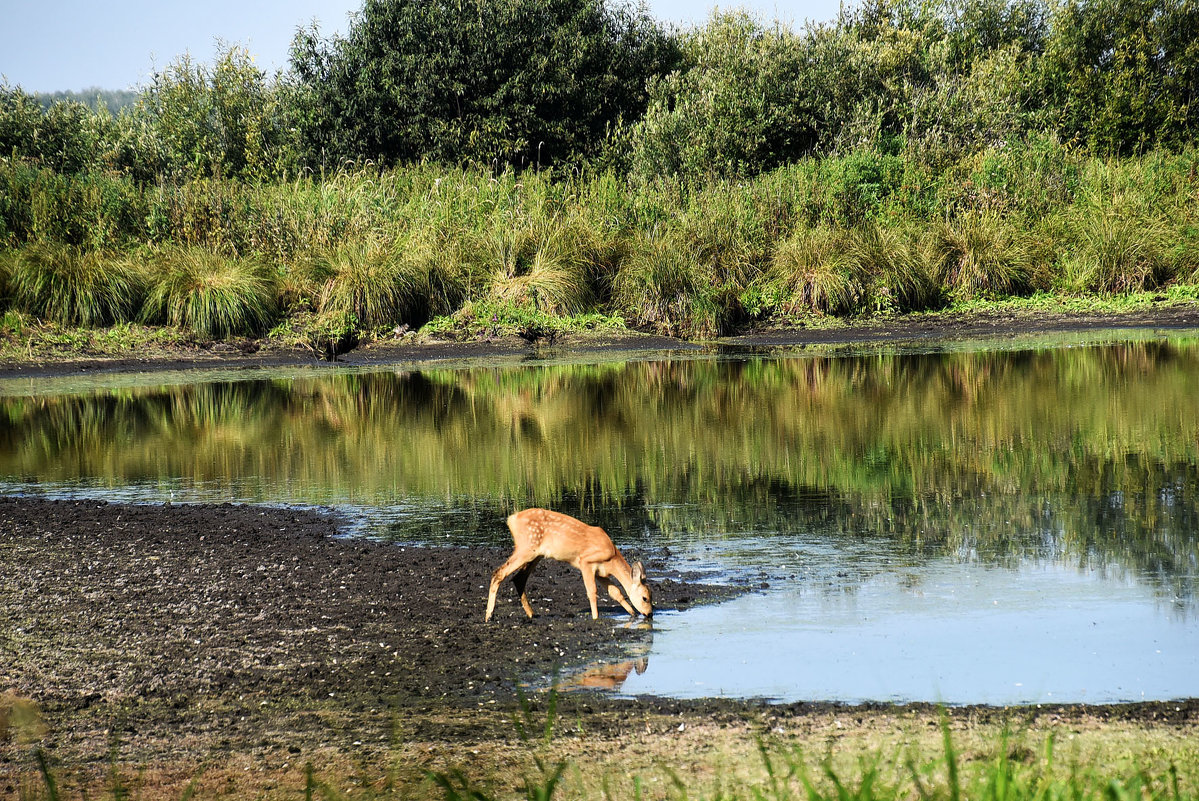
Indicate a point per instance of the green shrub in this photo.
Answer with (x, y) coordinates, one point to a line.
(72, 286)
(211, 295)
(860, 184)
(742, 104)
(521, 82)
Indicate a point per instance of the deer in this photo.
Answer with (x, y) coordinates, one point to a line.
(541, 533)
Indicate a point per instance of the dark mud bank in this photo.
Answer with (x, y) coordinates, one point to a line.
(915, 328)
(188, 628)
(177, 604)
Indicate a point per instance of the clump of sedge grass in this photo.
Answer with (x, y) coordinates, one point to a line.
(71, 286)
(666, 284)
(374, 284)
(980, 255)
(897, 269)
(210, 295)
(1120, 250)
(541, 265)
(813, 270)
(6, 262)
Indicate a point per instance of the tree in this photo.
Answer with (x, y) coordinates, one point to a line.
(744, 102)
(1123, 75)
(224, 119)
(520, 82)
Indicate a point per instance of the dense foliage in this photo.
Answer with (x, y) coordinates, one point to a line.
(533, 83)
(1117, 77)
(562, 157)
(521, 82)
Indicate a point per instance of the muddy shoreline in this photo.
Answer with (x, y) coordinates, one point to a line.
(916, 328)
(161, 614)
(259, 626)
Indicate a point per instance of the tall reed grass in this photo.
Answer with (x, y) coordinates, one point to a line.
(403, 245)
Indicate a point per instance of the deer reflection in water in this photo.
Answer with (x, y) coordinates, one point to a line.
(607, 677)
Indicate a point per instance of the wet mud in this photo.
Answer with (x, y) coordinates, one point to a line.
(153, 619)
(915, 328)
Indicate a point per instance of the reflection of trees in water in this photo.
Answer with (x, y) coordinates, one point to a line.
(1086, 452)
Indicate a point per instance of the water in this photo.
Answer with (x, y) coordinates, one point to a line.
(964, 634)
(1013, 524)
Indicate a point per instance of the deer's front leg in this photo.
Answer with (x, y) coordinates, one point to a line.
(618, 596)
(588, 571)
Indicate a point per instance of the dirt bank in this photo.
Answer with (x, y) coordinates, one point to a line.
(409, 349)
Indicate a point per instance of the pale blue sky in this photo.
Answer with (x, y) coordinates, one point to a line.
(77, 44)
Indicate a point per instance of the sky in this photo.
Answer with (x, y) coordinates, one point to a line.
(56, 45)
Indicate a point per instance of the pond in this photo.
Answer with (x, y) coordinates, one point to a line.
(1016, 522)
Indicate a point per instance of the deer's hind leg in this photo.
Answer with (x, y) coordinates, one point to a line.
(515, 563)
(520, 578)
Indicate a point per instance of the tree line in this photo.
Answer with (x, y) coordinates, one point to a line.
(519, 165)
(588, 84)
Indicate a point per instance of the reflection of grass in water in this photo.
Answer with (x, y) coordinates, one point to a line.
(904, 446)
(878, 427)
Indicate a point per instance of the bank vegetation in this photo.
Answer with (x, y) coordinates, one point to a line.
(453, 165)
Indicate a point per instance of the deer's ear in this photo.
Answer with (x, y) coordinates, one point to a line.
(638, 572)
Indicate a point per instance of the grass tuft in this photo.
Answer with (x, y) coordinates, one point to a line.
(540, 266)
(981, 255)
(898, 269)
(668, 286)
(370, 283)
(210, 295)
(71, 286)
(812, 270)
(1120, 250)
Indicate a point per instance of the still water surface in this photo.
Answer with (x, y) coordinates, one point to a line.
(1007, 525)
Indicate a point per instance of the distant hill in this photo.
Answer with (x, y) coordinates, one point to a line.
(114, 99)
